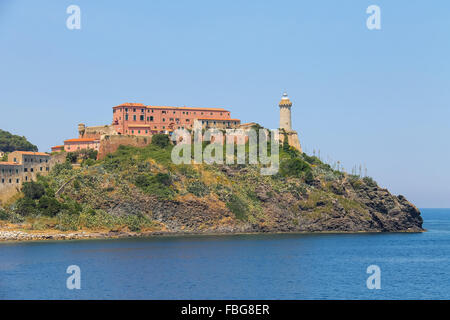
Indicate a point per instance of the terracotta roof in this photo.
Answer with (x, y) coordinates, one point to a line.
(81, 140)
(130, 104)
(57, 147)
(8, 164)
(169, 107)
(31, 153)
(217, 119)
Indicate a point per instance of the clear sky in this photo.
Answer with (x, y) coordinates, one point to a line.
(379, 98)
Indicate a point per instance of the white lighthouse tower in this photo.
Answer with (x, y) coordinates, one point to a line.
(286, 123)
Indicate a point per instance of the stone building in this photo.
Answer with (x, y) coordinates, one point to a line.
(22, 166)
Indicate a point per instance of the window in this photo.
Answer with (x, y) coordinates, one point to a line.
(17, 170)
(15, 159)
(126, 117)
(142, 118)
(211, 113)
(139, 131)
(146, 131)
(31, 169)
(40, 169)
(164, 112)
(187, 120)
(17, 180)
(151, 118)
(134, 117)
(171, 119)
(25, 169)
(164, 119)
(47, 169)
(134, 109)
(3, 180)
(10, 181)
(174, 112)
(142, 110)
(132, 131)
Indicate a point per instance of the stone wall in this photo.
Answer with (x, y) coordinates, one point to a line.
(293, 139)
(95, 132)
(109, 144)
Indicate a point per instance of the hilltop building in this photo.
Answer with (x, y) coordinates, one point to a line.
(139, 120)
(135, 123)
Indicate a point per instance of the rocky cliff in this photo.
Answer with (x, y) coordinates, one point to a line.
(140, 189)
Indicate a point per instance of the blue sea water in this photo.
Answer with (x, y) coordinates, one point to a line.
(321, 266)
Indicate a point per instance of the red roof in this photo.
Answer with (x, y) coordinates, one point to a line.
(8, 164)
(31, 153)
(81, 140)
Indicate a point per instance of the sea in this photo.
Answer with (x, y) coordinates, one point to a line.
(261, 266)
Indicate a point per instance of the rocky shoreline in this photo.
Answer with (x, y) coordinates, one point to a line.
(18, 236)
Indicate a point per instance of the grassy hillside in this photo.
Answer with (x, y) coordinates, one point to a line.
(140, 189)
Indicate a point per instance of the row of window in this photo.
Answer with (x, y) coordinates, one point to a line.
(31, 160)
(165, 111)
(11, 180)
(24, 170)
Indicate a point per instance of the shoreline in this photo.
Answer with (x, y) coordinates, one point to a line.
(8, 236)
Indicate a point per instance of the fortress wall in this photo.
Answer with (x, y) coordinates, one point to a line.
(293, 139)
(110, 143)
(96, 132)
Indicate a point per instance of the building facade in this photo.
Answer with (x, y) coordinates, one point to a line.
(139, 119)
(22, 166)
(73, 145)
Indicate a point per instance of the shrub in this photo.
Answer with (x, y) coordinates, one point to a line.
(198, 188)
(160, 140)
(370, 182)
(71, 157)
(60, 167)
(3, 215)
(49, 206)
(309, 177)
(293, 167)
(88, 162)
(25, 207)
(156, 185)
(33, 190)
(311, 159)
(238, 207)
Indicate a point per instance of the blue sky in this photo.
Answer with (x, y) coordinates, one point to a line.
(379, 98)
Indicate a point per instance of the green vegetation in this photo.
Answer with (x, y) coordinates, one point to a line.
(121, 190)
(10, 142)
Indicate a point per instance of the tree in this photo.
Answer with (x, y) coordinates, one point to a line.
(33, 190)
(161, 140)
(10, 143)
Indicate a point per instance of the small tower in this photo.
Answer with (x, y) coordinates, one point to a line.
(285, 113)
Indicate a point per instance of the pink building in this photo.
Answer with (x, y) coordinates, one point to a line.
(138, 119)
(73, 145)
